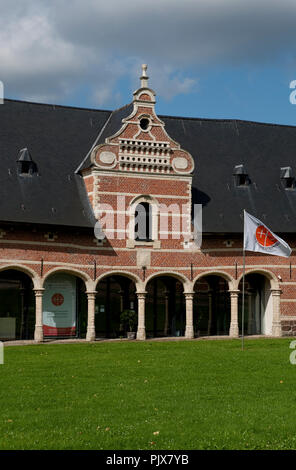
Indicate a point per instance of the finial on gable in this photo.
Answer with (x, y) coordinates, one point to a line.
(144, 94)
(144, 78)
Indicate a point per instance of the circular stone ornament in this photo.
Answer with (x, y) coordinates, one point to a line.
(180, 163)
(107, 158)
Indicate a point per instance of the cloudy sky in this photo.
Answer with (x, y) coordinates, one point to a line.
(206, 58)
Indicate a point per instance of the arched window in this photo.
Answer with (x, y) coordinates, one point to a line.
(143, 222)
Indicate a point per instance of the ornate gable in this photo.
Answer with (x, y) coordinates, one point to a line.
(142, 144)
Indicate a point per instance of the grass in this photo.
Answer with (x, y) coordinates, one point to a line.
(175, 395)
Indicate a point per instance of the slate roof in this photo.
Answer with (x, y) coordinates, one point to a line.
(60, 138)
(217, 146)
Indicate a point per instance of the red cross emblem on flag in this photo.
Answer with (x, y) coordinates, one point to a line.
(57, 299)
(264, 237)
(257, 237)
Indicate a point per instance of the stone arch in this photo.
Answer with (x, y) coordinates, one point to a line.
(143, 198)
(89, 284)
(262, 301)
(231, 281)
(133, 277)
(187, 285)
(274, 283)
(37, 283)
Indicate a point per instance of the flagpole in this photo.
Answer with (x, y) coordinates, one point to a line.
(243, 301)
(244, 271)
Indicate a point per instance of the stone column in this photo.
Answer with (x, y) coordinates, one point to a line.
(141, 333)
(276, 309)
(91, 329)
(38, 334)
(189, 332)
(234, 330)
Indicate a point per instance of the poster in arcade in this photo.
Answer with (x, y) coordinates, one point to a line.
(59, 306)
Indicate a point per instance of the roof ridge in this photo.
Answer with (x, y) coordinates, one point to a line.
(163, 116)
(50, 105)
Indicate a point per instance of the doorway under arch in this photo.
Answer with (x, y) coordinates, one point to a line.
(258, 311)
(115, 294)
(17, 305)
(64, 306)
(211, 308)
(165, 307)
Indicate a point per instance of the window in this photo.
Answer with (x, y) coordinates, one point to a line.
(241, 177)
(287, 178)
(143, 222)
(25, 168)
(25, 164)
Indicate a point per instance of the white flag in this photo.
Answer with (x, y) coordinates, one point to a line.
(257, 237)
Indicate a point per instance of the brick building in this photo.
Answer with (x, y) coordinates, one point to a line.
(63, 169)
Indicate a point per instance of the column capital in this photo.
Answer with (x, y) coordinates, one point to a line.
(189, 295)
(38, 291)
(141, 295)
(275, 291)
(234, 292)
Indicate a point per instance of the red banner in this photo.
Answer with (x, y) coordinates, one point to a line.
(51, 331)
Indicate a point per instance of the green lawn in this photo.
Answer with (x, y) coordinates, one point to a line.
(149, 395)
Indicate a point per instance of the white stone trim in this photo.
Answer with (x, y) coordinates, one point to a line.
(123, 174)
(155, 222)
(161, 196)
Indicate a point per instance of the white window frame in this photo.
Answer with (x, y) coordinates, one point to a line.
(155, 242)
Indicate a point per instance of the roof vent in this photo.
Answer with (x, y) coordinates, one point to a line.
(25, 164)
(241, 177)
(287, 178)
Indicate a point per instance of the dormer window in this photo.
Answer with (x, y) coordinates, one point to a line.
(287, 178)
(241, 177)
(25, 164)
